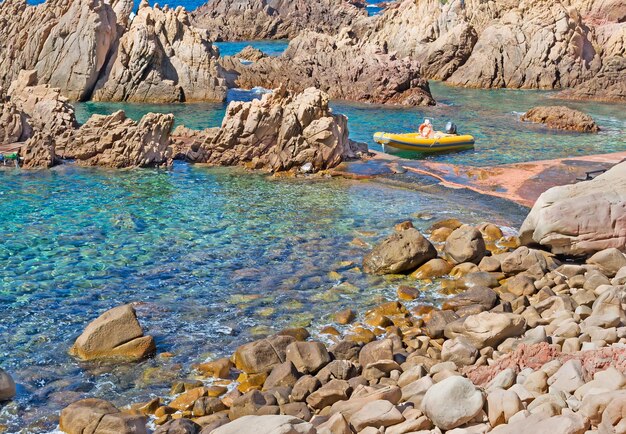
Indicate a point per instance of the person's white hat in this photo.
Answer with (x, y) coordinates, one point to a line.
(427, 121)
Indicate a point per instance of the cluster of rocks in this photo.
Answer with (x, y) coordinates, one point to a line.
(343, 65)
(279, 132)
(234, 20)
(561, 118)
(524, 343)
(90, 49)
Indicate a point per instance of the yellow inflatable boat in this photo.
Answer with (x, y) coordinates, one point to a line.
(415, 142)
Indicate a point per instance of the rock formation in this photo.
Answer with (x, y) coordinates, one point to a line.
(116, 334)
(39, 152)
(344, 66)
(94, 416)
(88, 46)
(161, 58)
(281, 131)
(240, 20)
(117, 141)
(250, 53)
(582, 218)
(561, 118)
(13, 125)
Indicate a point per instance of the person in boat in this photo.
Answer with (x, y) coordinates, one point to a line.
(426, 129)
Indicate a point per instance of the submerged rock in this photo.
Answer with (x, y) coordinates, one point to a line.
(279, 132)
(7, 386)
(561, 118)
(116, 334)
(582, 218)
(237, 20)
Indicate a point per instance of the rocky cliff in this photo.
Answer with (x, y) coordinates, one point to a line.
(344, 66)
(279, 132)
(87, 47)
(232, 20)
(161, 58)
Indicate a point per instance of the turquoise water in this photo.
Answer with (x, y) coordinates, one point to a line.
(271, 48)
(215, 257)
(491, 116)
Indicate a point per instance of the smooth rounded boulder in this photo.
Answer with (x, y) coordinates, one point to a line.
(452, 402)
(401, 252)
(7, 386)
(465, 244)
(97, 416)
(273, 424)
(116, 334)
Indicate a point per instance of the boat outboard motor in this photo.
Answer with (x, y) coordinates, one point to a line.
(450, 128)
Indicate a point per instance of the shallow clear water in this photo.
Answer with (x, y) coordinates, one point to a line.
(214, 256)
(271, 48)
(491, 116)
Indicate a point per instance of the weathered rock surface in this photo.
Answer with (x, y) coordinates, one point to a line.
(95, 416)
(13, 125)
(279, 132)
(465, 244)
(116, 334)
(487, 328)
(117, 141)
(233, 20)
(38, 152)
(561, 118)
(452, 402)
(401, 252)
(342, 65)
(161, 58)
(88, 49)
(270, 424)
(7, 386)
(250, 53)
(582, 218)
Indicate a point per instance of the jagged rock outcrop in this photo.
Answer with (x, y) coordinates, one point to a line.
(67, 42)
(162, 58)
(581, 218)
(117, 141)
(279, 132)
(343, 66)
(42, 107)
(38, 152)
(13, 126)
(240, 20)
(538, 44)
(88, 46)
(561, 118)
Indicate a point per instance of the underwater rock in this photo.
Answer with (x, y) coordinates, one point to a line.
(279, 132)
(116, 334)
(7, 386)
(582, 218)
(237, 20)
(561, 118)
(342, 65)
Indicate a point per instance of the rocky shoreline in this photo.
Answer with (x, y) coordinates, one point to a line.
(526, 341)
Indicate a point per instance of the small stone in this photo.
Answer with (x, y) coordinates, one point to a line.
(377, 414)
(502, 405)
(434, 268)
(307, 357)
(7, 386)
(328, 394)
(459, 351)
(452, 402)
(568, 378)
(306, 385)
(408, 292)
(219, 368)
(345, 316)
(284, 374)
(465, 244)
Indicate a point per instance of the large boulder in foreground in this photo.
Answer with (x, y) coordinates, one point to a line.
(561, 118)
(7, 386)
(117, 141)
(279, 132)
(273, 424)
(401, 252)
(452, 402)
(96, 416)
(580, 219)
(116, 334)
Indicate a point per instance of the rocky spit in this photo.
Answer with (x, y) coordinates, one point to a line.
(283, 131)
(561, 118)
(526, 342)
